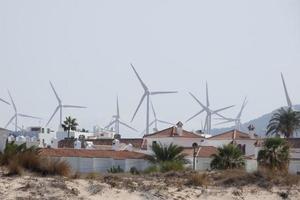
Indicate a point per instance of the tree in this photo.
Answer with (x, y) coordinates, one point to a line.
(275, 154)
(228, 157)
(70, 124)
(162, 153)
(284, 122)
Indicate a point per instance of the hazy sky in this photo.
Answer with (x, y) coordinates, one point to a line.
(85, 47)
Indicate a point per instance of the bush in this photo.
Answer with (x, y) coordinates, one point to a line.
(115, 170)
(151, 169)
(14, 168)
(51, 166)
(171, 166)
(134, 171)
(198, 180)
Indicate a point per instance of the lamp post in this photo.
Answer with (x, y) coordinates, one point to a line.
(195, 146)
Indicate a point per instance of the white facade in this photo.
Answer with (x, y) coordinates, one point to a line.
(89, 165)
(3, 137)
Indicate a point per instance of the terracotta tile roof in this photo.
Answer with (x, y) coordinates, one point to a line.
(233, 134)
(171, 132)
(118, 155)
(202, 151)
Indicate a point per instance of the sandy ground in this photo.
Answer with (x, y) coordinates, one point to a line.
(56, 188)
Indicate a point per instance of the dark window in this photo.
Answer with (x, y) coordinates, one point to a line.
(154, 142)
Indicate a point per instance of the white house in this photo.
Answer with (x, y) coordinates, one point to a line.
(87, 161)
(294, 165)
(176, 135)
(4, 134)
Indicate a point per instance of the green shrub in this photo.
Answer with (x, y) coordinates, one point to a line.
(115, 170)
(151, 169)
(167, 166)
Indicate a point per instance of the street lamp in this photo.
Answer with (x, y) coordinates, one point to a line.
(195, 146)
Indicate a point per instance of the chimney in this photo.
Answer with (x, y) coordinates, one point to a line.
(251, 129)
(179, 128)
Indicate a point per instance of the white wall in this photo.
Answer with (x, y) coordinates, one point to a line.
(294, 166)
(89, 165)
(3, 138)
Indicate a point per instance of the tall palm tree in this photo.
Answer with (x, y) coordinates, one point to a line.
(70, 124)
(285, 122)
(275, 154)
(228, 157)
(162, 153)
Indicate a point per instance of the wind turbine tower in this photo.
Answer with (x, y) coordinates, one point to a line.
(17, 114)
(288, 100)
(60, 107)
(146, 95)
(209, 112)
(117, 122)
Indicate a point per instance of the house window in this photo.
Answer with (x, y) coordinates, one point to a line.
(154, 143)
(244, 149)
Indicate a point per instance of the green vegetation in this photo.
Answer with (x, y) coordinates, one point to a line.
(70, 124)
(228, 157)
(284, 122)
(166, 158)
(115, 170)
(275, 154)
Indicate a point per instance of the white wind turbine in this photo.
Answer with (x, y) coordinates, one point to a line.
(209, 112)
(236, 120)
(147, 95)
(289, 102)
(156, 120)
(117, 122)
(4, 101)
(17, 114)
(60, 107)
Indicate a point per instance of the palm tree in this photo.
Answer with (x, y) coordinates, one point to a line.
(285, 122)
(162, 153)
(228, 157)
(70, 124)
(275, 154)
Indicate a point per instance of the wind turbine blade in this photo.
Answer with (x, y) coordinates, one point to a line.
(73, 106)
(289, 102)
(163, 92)
(203, 106)
(219, 110)
(242, 108)
(153, 110)
(222, 117)
(11, 119)
(137, 109)
(207, 97)
(12, 101)
(165, 122)
(4, 101)
(57, 97)
(110, 124)
(195, 115)
(128, 126)
(55, 111)
(138, 76)
(144, 131)
(226, 122)
(28, 116)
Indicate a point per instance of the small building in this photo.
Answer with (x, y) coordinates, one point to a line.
(4, 135)
(88, 161)
(176, 135)
(294, 165)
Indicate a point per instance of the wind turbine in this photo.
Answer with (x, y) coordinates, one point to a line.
(147, 94)
(17, 114)
(289, 102)
(117, 122)
(4, 101)
(156, 120)
(208, 111)
(237, 119)
(60, 107)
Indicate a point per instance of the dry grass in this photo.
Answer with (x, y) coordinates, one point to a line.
(52, 166)
(14, 168)
(197, 179)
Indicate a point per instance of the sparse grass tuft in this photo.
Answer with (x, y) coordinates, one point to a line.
(198, 179)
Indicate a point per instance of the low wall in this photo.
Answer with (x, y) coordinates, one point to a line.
(89, 165)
